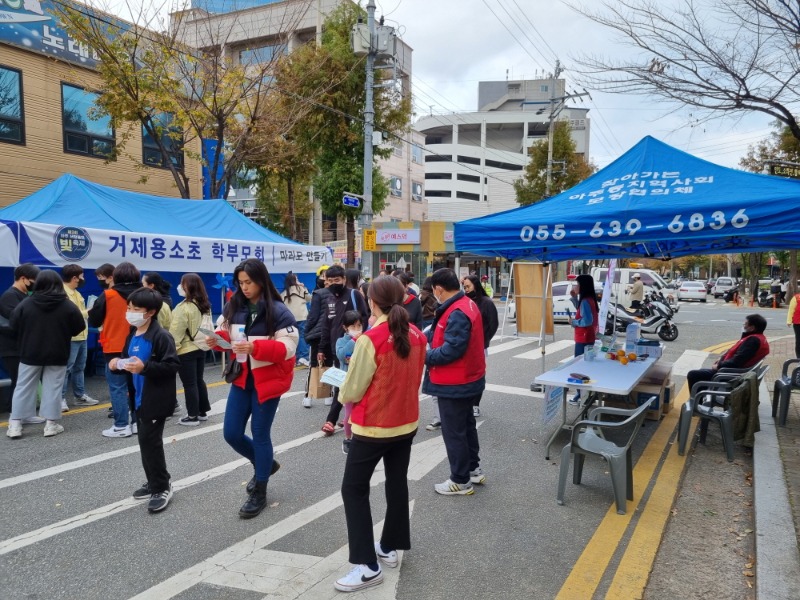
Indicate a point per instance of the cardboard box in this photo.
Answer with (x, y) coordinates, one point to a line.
(643, 392)
(658, 374)
(669, 397)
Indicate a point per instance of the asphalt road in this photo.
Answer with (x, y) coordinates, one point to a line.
(71, 530)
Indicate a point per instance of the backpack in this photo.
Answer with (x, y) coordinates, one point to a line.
(199, 338)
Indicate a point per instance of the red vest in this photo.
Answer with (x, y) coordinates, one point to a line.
(115, 325)
(472, 365)
(796, 314)
(763, 349)
(586, 335)
(392, 398)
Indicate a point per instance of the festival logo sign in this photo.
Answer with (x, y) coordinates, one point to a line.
(72, 243)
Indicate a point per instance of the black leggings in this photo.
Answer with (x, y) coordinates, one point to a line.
(191, 373)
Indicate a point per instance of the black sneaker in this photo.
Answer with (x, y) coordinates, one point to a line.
(143, 493)
(346, 446)
(110, 413)
(434, 425)
(203, 417)
(159, 502)
(189, 421)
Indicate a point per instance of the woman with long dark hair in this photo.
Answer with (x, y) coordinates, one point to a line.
(263, 332)
(156, 282)
(382, 381)
(184, 327)
(296, 298)
(44, 324)
(585, 322)
(478, 294)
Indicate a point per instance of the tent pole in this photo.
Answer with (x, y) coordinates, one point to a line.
(509, 295)
(536, 387)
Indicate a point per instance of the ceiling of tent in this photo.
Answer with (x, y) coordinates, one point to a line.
(653, 202)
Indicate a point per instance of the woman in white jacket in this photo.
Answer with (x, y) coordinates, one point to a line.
(295, 297)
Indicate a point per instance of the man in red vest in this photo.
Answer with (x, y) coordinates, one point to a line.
(456, 375)
(750, 349)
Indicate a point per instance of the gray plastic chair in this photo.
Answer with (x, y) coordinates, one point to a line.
(782, 391)
(589, 438)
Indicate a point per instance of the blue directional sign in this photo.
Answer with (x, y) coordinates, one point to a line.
(351, 201)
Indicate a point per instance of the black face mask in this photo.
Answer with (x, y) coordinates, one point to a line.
(473, 294)
(81, 283)
(103, 284)
(336, 288)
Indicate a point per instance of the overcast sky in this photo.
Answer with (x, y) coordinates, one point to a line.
(458, 43)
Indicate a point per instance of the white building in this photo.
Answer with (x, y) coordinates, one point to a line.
(472, 159)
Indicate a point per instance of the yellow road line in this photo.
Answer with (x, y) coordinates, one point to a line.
(588, 570)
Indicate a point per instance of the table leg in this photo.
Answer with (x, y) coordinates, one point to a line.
(560, 428)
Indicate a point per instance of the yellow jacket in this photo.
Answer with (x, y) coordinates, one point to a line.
(78, 301)
(184, 323)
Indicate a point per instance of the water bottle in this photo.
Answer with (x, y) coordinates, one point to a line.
(598, 348)
(632, 332)
(237, 335)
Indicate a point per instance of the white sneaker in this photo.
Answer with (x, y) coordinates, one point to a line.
(14, 429)
(328, 400)
(117, 432)
(307, 402)
(476, 411)
(303, 361)
(86, 400)
(477, 476)
(134, 429)
(64, 405)
(33, 420)
(387, 558)
(450, 488)
(52, 428)
(360, 577)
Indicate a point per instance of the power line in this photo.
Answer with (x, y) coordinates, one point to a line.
(511, 33)
(524, 33)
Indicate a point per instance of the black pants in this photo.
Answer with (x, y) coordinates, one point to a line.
(460, 437)
(194, 386)
(636, 304)
(151, 444)
(796, 340)
(696, 375)
(362, 459)
(11, 366)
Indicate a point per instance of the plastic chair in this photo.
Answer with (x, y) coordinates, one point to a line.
(589, 437)
(782, 391)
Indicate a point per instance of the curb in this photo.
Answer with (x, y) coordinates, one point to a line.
(777, 555)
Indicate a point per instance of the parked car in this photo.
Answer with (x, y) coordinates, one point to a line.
(562, 305)
(692, 290)
(722, 285)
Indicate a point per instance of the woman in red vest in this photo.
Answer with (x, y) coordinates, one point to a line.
(585, 321)
(384, 420)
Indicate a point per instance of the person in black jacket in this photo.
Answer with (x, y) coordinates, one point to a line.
(476, 292)
(313, 333)
(24, 277)
(44, 323)
(410, 301)
(151, 362)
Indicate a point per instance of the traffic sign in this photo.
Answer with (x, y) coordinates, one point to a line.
(351, 201)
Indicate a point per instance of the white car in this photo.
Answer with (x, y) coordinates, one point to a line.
(562, 305)
(692, 290)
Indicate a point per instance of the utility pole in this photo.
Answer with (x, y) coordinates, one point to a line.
(549, 180)
(369, 123)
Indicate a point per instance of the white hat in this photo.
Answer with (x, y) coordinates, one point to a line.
(637, 276)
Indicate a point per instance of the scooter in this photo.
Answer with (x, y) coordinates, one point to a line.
(768, 300)
(658, 323)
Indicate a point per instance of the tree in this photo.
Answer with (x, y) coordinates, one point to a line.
(332, 132)
(569, 168)
(724, 57)
(179, 91)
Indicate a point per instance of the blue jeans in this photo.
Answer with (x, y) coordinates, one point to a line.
(118, 389)
(302, 347)
(243, 405)
(75, 368)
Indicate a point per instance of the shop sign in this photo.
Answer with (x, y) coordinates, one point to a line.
(448, 235)
(370, 243)
(398, 236)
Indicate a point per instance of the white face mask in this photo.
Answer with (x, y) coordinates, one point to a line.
(136, 319)
(181, 291)
(354, 332)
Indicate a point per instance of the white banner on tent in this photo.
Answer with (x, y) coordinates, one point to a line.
(612, 266)
(8, 244)
(61, 245)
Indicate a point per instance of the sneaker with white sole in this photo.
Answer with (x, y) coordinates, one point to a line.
(476, 411)
(159, 501)
(202, 417)
(189, 421)
(33, 420)
(329, 401)
(451, 488)
(477, 476)
(387, 558)
(64, 405)
(134, 428)
(14, 429)
(434, 425)
(143, 493)
(359, 577)
(52, 428)
(86, 400)
(117, 432)
(303, 361)
(307, 402)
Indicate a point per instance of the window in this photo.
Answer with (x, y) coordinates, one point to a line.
(438, 194)
(12, 124)
(472, 178)
(438, 158)
(503, 165)
(468, 196)
(395, 186)
(397, 145)
(261, 55)
(171, 138)
(416, 191)
(416, 154)
(438, 175)
(543, 88)
(84, 132)
(470, 160)
(433, 139)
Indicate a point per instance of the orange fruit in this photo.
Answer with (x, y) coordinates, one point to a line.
(620, 353)
(632, 356)
(623, 360)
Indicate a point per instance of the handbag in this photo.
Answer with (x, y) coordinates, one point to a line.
(232, 370)
(199, 339)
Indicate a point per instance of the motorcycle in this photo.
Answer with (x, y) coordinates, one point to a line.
(768, 300)
(659, 322)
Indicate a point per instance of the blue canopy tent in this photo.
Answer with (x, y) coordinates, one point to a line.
(654, 202)
(76, 221)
